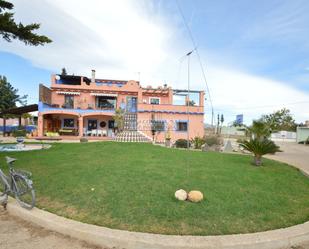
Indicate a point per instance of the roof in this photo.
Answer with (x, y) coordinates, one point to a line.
(73, 79)
(20, 110)
(111, 81)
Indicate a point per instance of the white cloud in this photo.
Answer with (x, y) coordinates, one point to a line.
(111, 36)
(281, 23)
(236, 92)
(121, 38)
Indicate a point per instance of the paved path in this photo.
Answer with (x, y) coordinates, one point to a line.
(18, 234)
(294, 154)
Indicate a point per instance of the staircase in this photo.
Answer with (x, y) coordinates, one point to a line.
(132, 136)
(130, 122)
(130, 132)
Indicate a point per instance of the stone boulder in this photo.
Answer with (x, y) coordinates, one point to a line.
(205, 147)
(195, 196)
(214, 147)
(181, 195)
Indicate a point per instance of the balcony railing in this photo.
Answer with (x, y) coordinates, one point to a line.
(56, 107)
(165, 108)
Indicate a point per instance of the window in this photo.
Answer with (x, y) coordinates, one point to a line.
(106, 102)
(102, 124)
(111, 124)
(68, 101)
(92, 124)
(154, 101)
(157, 125)
(182, 126)
(68, 123)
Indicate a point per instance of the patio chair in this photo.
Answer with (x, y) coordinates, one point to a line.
(100, 133)
(86, 132)
(94, 132)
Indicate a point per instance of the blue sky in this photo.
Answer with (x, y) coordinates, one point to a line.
(256, 53)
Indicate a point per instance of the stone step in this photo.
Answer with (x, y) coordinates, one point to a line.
(131, 136)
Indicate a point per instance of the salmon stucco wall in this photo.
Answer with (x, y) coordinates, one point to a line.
(195, 128)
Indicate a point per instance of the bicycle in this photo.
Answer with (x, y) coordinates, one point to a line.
(18, 182)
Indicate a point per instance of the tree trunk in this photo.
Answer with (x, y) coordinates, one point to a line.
(257, 160)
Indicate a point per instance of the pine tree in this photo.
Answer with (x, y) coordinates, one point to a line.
(9, 95)
(9, 29)
(221, 121)
(218, 123)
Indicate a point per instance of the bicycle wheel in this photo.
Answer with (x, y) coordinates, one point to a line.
(3, 194)
(24, 192)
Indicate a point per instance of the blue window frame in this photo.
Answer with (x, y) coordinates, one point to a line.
(182, 125)
(158, 125)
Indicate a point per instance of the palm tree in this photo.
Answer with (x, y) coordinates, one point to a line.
(258, 130)
(119, 119)
(260, 147)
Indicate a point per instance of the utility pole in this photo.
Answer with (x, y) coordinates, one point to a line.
(188, 99)
(139, 76)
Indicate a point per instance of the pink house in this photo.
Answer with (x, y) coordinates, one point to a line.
(77, 106)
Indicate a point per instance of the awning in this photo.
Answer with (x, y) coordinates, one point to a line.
(104, 94)
(69, 93)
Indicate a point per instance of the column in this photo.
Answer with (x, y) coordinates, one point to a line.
(201, 98)
(4, 125)
(80, 126)
(19, 121)
(40, 125)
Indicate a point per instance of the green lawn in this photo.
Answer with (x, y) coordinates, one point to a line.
(134, 187)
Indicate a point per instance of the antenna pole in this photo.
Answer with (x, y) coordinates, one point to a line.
(188, 99)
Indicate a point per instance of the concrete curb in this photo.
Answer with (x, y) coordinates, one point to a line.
(305, 172)
(118, 239)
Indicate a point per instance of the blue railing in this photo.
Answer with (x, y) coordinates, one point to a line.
(44, 107)
(10, 128)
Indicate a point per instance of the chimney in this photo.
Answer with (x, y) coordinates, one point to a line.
(92, 76)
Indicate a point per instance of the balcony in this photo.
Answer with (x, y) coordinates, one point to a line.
(171, 109)
(69, 108)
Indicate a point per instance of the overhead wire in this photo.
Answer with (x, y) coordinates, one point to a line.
(199, 59)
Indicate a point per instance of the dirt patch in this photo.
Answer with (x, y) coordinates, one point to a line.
(19, 234)
(60, 208)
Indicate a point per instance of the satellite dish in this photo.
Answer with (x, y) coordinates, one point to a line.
(57, 77)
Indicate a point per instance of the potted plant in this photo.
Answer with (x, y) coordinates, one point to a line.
(20, 135)
(168, 138)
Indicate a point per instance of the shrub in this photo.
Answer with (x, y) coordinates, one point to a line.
(52, 134)
(182, 143)
(19, 133)
(198, 142)
(240, 140)
(307, 141)
(260, 148)
(83, 140)
(212, 140)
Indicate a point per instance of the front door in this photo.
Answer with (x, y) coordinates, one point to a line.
(92, 124)
(131, 104)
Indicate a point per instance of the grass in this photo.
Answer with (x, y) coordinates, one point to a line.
(134, 187)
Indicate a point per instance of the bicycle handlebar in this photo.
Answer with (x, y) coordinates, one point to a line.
(10, 160)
